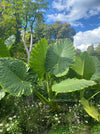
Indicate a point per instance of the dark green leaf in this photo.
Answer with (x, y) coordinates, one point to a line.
(12, 77)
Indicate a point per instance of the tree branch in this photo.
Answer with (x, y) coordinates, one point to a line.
(26, 48)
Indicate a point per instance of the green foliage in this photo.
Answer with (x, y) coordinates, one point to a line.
(2, 93)
(9, 41)
(90, 109)
(4, 52)
(60, 57)
(13, 74)
(38, 56)
(60, 30)
(84, 66)
(90, 49)
(41, 97)
(71, 85)
(96, 75)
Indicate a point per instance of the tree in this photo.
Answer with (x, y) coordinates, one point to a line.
(78, 51)
(98, 47)
(97, 51)
(9, 22)
(40, 29)
(28, 11)
(90, 49)
(60, 31)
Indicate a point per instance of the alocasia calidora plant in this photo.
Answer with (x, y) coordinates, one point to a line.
(4, 52)
(88, 68)
(56, 60)
(48, 62)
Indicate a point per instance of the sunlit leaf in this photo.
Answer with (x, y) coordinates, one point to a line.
(71, 85)
(90, 109)
(38, 56)
(84, 66)
(9, 41)
(60, 56)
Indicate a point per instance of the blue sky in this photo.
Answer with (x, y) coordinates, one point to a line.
(84, 17)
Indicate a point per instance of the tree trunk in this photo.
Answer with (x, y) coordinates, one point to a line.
(28, 51)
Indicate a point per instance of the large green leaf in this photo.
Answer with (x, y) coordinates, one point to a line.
(4, 52)
(84, 66)
(2, 93)
(38, 56)
(60, 57)
(13, 74)
(9, 41)
(90, 109)
(96, 75)
(71, 85)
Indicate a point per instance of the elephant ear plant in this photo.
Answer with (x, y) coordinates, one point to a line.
(55, 61)
(88, 68)
(4, 52)
(48, 62)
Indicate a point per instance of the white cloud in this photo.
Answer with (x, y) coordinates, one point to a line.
(73, 10)
(84, 39)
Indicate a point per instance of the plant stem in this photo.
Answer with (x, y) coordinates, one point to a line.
(94, 95)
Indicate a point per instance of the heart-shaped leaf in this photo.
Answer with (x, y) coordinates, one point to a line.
(60, 56)
(13, 74)
(84, 66)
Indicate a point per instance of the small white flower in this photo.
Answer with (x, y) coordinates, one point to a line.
(58, 121)
(56, 115)
(10, 118)
(56, 118)
(1, 124)
(14, 116)
(1, 130)
(86, 121)
(8, 129)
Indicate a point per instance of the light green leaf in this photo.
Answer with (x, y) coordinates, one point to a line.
(96, 75)
(13, 74)
(71, 85)
(2, 93)
(4, 52)
(60, 57)
(38, 56)
(84, 66)
(90, 109)
(9, 41)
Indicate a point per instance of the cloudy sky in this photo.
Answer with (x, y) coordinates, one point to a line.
(84, 17)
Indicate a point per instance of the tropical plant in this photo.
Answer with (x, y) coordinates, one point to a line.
(50, 63)
(87, 67)
(54, 62)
